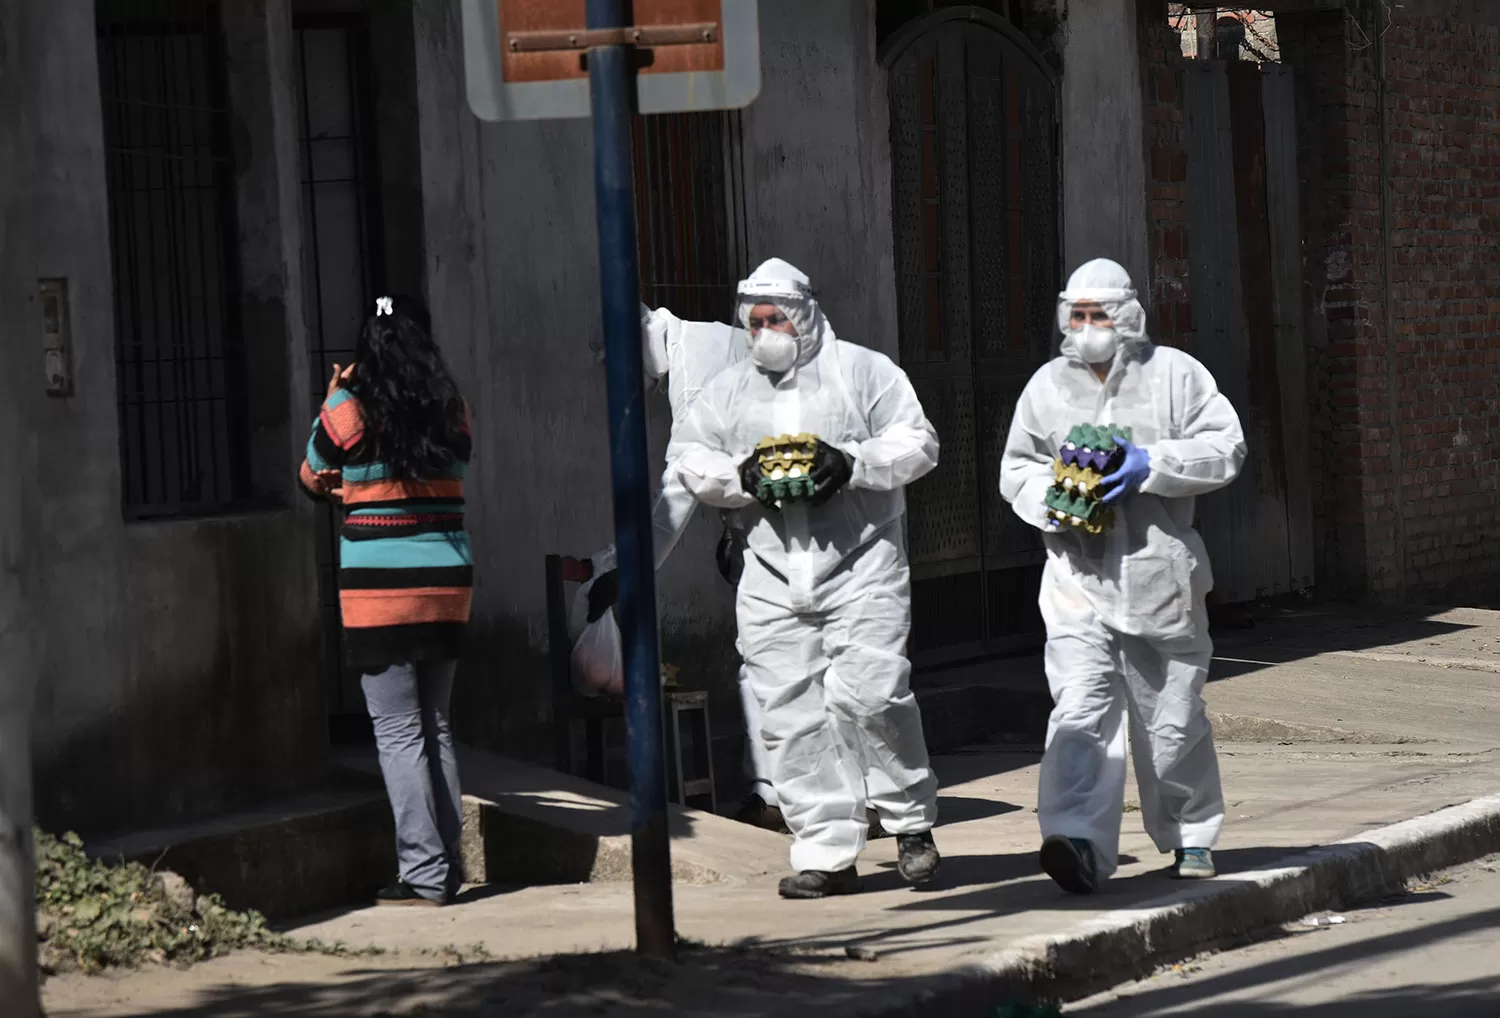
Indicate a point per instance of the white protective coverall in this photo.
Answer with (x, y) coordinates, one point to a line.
(1127, 629)
(824, 605)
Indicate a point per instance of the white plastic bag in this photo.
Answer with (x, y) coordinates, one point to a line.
(597, 667)
(596, 658)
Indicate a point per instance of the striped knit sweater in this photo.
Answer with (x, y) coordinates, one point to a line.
(405, 570)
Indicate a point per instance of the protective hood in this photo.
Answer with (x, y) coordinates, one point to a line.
(1108, 283)
(787, 288)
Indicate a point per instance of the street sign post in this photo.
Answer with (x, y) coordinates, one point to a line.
(536, 59)
(525, 59)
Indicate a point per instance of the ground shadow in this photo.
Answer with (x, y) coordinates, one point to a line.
(1474, 998)
(962, 809)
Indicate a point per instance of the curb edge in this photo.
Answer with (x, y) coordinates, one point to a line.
(1127, 944)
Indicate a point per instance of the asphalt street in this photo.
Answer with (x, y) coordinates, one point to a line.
(1433, 953)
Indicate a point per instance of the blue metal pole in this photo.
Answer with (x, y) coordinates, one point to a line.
(611, 78)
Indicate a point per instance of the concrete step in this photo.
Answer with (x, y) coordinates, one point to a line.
(525, 824)
(317, 851)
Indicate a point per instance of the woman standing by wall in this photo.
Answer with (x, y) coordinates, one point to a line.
(391, 444)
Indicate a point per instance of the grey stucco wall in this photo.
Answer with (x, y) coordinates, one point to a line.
(513, 282)
(818, 158)
(181, 675)
(19, 646)
(1103, 137)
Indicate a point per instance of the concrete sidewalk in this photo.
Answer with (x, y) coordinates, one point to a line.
(1358, 720)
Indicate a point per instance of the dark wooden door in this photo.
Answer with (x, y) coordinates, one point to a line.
(975, 210)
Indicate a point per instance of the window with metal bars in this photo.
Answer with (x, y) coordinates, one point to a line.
(690, 207)
(179, 349)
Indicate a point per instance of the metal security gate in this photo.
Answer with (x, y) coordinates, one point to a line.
(342, 268)
(975, 209)
(1245, 279)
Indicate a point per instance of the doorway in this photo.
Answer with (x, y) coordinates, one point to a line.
(343, 271)
(975, 204)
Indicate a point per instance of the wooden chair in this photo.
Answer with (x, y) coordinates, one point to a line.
(589, 732)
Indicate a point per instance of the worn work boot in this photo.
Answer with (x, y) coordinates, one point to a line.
(1194, 864)
(817, 884)
(1070, 864)
(756, 812)
(402, 893)
(877, 830)
(917, 857)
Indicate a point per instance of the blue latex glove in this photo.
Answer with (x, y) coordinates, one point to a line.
(1132, 473)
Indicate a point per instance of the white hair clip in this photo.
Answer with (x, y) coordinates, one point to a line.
(383, 306)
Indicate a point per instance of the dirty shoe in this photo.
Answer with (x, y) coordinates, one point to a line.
(876, 828)
(402, 893)
(1194, 864)
(1070, 864)
(817, 884)
(756, 812)
(917, 857)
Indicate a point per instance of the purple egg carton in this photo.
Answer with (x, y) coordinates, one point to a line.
(1102, 461)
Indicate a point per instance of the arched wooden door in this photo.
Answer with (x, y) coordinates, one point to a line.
(975, 206)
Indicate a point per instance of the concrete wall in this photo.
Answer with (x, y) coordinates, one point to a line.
(818, 162)
(513, 282)
(181, 674)
(19, 649)
(1103, 137)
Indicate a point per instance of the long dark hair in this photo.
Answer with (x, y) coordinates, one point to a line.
(411, 404)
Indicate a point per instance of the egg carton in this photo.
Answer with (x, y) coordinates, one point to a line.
(1071, 509)
(786, 463)
(1093, 447)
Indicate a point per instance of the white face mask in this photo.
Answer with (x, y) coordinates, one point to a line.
(1096, 344)
(773, 351)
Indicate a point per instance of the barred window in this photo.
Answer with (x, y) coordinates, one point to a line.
(179, 349)
(690, 207)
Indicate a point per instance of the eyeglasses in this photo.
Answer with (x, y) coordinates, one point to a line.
(757, 323)
(1095, 316)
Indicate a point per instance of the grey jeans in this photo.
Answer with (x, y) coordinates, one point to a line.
(408, 704)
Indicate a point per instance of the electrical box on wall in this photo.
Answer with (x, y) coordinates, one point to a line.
(57, 342)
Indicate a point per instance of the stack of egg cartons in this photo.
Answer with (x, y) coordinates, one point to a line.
(1089, 455)
(786, 463)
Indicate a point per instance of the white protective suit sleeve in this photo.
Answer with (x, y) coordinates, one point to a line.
(1210, 452)
(671, 513)
(1026, 466)
(903, 445)
(695, 455)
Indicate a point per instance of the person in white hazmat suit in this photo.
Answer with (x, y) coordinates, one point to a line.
(1127, 628)
(823, 606)
(688, 355)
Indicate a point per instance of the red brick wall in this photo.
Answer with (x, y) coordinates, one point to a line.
(1444, 89)
(1166, 168)
(1419, 519)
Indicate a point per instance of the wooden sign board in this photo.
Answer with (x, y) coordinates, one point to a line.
(527, 59)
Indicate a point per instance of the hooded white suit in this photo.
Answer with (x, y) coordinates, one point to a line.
(1127, 629)
(824, 603)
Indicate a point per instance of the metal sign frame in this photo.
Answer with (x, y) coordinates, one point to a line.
(493, 98)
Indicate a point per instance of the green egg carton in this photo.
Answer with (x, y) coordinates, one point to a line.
(1098, 436)
(1073, 510)
(786, 489)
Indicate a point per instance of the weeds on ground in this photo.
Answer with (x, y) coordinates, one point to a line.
(93, 916)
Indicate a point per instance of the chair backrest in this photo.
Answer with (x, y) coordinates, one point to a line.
(562, 570)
